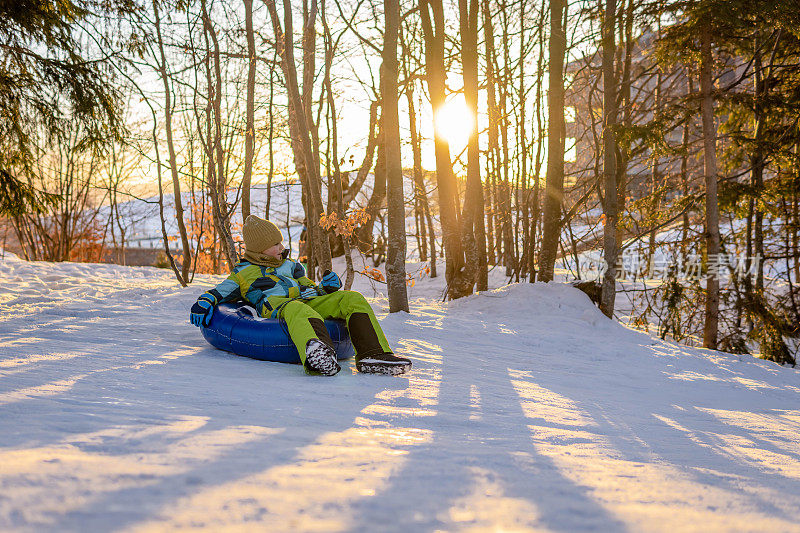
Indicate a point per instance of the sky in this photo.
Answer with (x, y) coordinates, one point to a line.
(352, 106)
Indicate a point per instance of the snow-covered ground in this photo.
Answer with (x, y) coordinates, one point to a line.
(526, 410)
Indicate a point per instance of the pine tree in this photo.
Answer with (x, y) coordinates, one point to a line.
(47, 82)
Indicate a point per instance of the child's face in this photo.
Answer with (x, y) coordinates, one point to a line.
(274, 251)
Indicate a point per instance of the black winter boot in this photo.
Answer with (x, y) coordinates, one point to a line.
(383, 363)
(370, 355)
(321, 358)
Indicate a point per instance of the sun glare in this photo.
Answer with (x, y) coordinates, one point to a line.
(454, 122)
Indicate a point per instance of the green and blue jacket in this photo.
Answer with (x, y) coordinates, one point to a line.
(267, 289)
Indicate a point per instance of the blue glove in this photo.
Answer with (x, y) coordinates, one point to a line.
(200, 314)
(307, 293)
(330, 282)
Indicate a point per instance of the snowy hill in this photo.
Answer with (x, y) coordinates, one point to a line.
(143, 223)
(526, 410)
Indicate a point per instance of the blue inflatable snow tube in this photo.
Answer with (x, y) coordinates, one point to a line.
(235, 327)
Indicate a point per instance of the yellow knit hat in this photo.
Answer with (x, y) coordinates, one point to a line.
(260, 234)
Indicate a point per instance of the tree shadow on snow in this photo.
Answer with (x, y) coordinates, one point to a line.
(666, 414)
(480, 468)
(195, 419)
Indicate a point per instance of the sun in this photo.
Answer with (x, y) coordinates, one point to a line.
(454, 122)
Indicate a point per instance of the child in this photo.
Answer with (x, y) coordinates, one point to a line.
(278, 288)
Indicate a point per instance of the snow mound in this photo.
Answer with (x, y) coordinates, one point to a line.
(540, 301)
(525, 410)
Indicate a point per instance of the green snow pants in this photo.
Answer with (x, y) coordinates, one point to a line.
(305, 320)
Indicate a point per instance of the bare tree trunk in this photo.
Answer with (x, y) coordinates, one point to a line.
(249, 134)
(420, 227)
(523, 191)
(504, 205)
(790, 231)
(539, 147)
(420, 196)
(796, 218)
(610, 245)
(431, 237)
(494, 118)
(164, 235)
(271, 140)
(173, 163)
(307, 96)
(333, 136)
(396, 246)
(625, 54)
(711, 327)
(420, 192)
(211, 174)
(554, 187)
(685, 172)
(434, 32)
(493, 219)
(419, 186)
(309, 71)
(757, 166)
(473, 234)
(219, 196)
(655, 180)
(300, 133)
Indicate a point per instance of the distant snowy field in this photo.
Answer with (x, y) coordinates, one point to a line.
(526, 410)
(142, 221)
